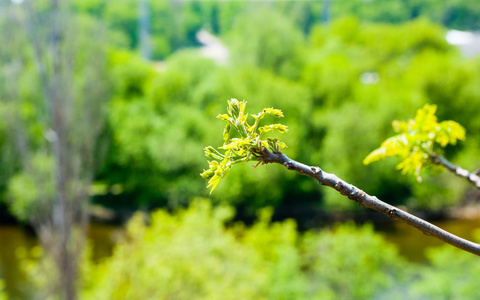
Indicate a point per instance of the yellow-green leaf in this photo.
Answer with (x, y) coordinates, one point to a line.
(425, 119)
(226, 133)
(278, 127)
(400, 126)
(274, 112)
(224, 117)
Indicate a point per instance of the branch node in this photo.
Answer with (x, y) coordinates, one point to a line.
(355, 196)
(289, 165)
(341, 187)
(392, 212)
(315, 170)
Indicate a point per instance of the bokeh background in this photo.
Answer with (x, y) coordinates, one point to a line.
(106, 107)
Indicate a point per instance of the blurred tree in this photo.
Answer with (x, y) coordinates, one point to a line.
(144, 28)
(458, 14)
(174, 24)
(266, 39)
(54, 97)
(372, 10)
(332, 91)
(156, 134)
(461, 14)
(352, 78)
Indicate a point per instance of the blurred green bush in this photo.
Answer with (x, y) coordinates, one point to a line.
(199, 252)
(193, 254)
(450, 275)
(3, 294)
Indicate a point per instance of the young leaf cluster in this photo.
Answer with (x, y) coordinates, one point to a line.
(247, 146)
(417, 140)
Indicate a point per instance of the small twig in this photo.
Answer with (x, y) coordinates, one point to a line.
(365, 200)
(476, 172)
(472, 177)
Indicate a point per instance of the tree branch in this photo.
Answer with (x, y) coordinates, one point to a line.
(472, 177)
(365, 200)
(477, 171)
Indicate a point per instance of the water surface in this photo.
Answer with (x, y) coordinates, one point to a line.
(14, 238)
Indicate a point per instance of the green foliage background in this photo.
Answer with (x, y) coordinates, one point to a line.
(159, 119)
(268, 260)
(339, 85)
(201, 253)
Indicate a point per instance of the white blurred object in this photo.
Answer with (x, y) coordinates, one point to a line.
(467, 42)
(212, 47)
(369, 78)
(456, 37)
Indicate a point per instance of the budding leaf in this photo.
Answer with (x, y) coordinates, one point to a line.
(274, 127)
(226, 133)
(417, 140)
(247, 147)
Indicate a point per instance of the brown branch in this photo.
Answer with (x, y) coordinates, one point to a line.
(365, 200)
(472, 177)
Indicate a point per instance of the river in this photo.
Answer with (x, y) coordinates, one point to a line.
(410, 242)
